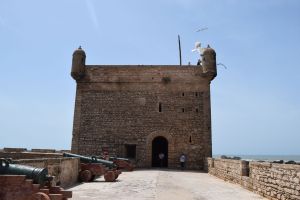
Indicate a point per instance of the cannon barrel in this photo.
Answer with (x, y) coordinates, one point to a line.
(93, 159)
(112, 158)
(38, 175)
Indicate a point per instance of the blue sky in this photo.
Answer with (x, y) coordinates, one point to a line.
(255, 101)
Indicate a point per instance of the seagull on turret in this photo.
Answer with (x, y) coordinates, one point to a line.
(198, 48)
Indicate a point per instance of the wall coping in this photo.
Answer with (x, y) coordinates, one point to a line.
(42, 160)
(229, 160)
(259, 164)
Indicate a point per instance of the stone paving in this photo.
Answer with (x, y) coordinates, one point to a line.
(162, 184)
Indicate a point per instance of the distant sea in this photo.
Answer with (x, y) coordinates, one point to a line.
(266, 157)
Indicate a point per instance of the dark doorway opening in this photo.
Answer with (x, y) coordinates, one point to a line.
(159, 146)
(130, 150)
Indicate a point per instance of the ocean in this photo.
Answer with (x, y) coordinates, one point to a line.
(266, 157)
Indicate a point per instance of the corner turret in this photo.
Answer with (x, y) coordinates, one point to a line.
(78, 64)
(208, 62)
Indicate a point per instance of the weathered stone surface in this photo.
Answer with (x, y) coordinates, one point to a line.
(132, 105)
(65, 170)
(17, 187)
(163, 185)
(8, 149)
(271, 180)
(29, 155)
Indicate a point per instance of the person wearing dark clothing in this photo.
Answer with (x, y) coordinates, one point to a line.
(161, 157)
(182, 160)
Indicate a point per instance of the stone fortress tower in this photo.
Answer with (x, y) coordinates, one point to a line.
(139, 111)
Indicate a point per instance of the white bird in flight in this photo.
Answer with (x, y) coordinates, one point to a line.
(222, 65)
(201, 29)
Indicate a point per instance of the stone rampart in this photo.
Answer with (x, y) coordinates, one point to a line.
(29, 155)
(229, 170)
(273, 181)
(276, 181)
(65, 170)
(23, 153)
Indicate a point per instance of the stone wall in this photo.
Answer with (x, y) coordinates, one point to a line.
(23, 153)
(65, 170)
(278, 181)
(29, 155)
(274, 181)
(229, 170)
(117, 106)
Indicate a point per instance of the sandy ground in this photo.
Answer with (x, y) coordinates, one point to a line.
(162, 185)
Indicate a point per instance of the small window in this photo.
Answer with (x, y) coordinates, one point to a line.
(197, 110)
(190, 139)
(159, 107)
(182, 109)
(182, 94)
(196, 94)
(130, 150)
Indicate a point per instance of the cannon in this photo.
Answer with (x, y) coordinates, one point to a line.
(20, 182)
(38, 175)
(92, 167)
(122, 163)
(92, 159)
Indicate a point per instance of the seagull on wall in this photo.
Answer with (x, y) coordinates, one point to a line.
(198, 48)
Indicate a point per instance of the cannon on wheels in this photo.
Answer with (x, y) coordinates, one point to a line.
(92, 167)
(122, 163)
(21, 182)
(38, 175)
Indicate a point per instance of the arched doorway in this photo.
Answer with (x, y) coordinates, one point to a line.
(159, 145)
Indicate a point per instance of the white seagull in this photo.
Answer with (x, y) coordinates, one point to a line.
(198, 48)
(201, 29)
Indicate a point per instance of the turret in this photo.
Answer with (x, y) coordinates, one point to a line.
(78, 64)
(208, 62)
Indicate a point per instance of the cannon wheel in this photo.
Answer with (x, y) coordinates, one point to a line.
(116, 176)
(109, 176)
(129, 168)
(93, 177)
(40, 196)
(85, 176)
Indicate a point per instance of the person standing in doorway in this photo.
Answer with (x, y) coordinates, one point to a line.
(161, 157)
(105, 155)
(182, 160)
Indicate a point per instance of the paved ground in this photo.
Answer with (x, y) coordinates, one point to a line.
(162, 184)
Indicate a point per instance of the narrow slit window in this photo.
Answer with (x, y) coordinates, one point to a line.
(190, 139)
(196, 94)
(197, 110)
(182, 109)
(159, 107)
(182, 94)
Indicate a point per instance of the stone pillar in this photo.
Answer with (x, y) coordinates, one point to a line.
(244, 166)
